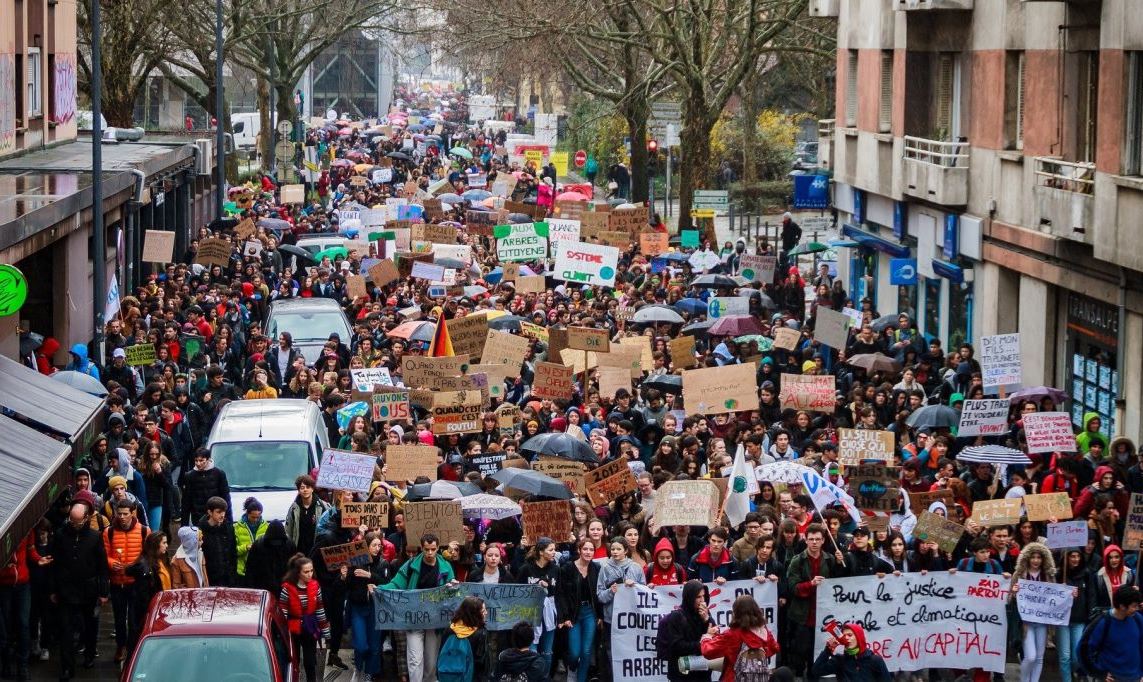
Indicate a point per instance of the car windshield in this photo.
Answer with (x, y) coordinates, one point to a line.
(263, 465)
(309, 326)
(203, 658)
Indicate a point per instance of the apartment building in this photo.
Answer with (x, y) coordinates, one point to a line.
(987, 158)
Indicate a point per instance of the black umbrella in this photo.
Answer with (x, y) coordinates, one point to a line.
(763, 300)
(222, 224)
(399, 155)
(519, 218)
(713, 282)
(933, 417)
(884, 322)
(294, 250)
(528, 481)
(667, 383)
(700, 328)
(561, 445)
(507, 323)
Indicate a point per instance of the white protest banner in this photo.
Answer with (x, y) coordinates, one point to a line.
(915, 621)
(428, 271)
(831, 328)
(1049, 432)
(758, 268)
(637, 611)
(342, 470)
(366, 378)
(1133, 528)
(1000, 360)
(988, 417)
(1041, 602)
(721, 306)
(521, 241)
(1067, 534)
(586, 263)
(560, 230)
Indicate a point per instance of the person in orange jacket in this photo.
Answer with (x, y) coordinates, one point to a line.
(123, 542)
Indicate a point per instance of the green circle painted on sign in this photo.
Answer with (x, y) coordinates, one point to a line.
(13, 290)
(748, 273)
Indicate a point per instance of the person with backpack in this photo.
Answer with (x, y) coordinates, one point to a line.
(424, 571)
(680, 631)
(856, 663)
(520, 663)
(981, 560)
(1112, 644)
(464, 656)
(746, 646)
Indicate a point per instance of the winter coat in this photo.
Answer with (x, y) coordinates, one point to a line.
(1085, 437)
(573, 586)
(244, 540)
(80, 362)
(269, 555)
(409, 574)
(679, 634)
(614, 573)
(865, 665)
(293, 516)
(380, 572)
(514, 662)
(124, 546)
(706, 568)
(198, 486)
(803, 594)
(17, 572)
(220, 552)
(729, 642)
(656, 575)
(78, 573)
(531, 574)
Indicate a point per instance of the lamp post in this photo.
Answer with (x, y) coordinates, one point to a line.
(98, 236)
(219, 133)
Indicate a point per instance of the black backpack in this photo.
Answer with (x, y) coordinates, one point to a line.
(1088, 653)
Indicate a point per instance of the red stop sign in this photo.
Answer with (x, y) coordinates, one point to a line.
(580, 159)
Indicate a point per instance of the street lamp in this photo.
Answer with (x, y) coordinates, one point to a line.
(219, 133)
(98, 236)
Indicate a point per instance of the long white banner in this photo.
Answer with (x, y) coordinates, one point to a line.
(638, 610)
(916, 621)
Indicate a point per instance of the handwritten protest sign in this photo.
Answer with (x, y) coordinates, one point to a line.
(643, 343)
(936, 528)
(855, 445)
(560, 229)
(567, 471)
(758, 268)
(653, 243)
(468, 334)
(407, 462)
(418, 371)
(384, 272)
(553, 381)
(682, 349)
(1000, 360)
(687, 503)
(442, 518)
(428, 271)
(589, 338)
(629, 220)
(987, 417)
(715, 390)
(1043, 602)
(786, 338)
(1067, 534)
(213, 251)
(368, 514)
(874, 486)
(536, 332)
(368, 378)
(348, 554)
(919, 621)
(1049, 432)
(806, 392)
(140, 354)
(831, 328)
(1004, 512)
(608, 482)
(456, 412)
(158, 246)
(1133, 527)
(721, 306)
(342, 470)
(620, 355)
(585, 263)
(1048, 506)
(390, 405)
(531, 284)
(434, 609)
(551, 519)
(521, 241)
(502, 348)
(611, 379)
(920, 502)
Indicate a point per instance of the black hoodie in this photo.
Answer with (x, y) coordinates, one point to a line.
(680, 632)
(269, 555)
(527, 662)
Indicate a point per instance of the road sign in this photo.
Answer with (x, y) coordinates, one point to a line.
(672, 135)
(283, 149)
(702, 212)
(667, 110)
(815, 223)
(714, 199)
(580, 159)
(285, 127)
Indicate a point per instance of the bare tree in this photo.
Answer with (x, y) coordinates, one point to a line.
(132, 45)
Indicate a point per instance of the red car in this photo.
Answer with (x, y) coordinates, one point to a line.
(213, 633)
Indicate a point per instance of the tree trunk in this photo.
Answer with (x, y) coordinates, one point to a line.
(694, 171)
(749, 134)
(266, 133)
(118, 99)
(637, 130)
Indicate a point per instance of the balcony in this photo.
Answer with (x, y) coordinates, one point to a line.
(932, 4)
(825, 8)
(936, 171)
(825, 143)
(1065, 198)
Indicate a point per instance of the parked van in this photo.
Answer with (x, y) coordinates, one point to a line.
(263, 445)
(246, 128)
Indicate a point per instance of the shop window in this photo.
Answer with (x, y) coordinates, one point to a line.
(907, 300)
(932, 320)
(960, 314)
(1092, 347)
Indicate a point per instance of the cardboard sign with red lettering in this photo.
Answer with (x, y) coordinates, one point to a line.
(606, 483)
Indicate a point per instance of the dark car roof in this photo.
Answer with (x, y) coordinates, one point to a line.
(208, 611)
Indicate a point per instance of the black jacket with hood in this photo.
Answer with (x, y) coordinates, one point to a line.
(680, 632)
(269, 558)
(513, 662)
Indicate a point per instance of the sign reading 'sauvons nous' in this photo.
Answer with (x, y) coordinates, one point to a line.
(586, 263)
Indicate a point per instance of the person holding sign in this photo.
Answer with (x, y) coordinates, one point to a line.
(746, 647)
(424, 571)
(362, 580)
(1034, 563)
(1074, 573)
(300, 601)
(540, 569)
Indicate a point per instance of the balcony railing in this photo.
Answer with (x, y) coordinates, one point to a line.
(936, 152)
(936, 171)
(1070, 176)
(825, 127)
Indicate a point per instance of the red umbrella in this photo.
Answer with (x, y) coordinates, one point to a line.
(571, 196)
(735, 325)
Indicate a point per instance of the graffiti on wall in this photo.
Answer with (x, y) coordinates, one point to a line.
(7, 101)
(63, 88)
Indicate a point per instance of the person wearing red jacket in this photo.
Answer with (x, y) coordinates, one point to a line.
(1105, 484)
(663, 570)
(15, 606)
(747, 628)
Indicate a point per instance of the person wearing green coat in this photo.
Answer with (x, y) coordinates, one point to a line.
(1091, 432)
(247, 530)
(424, 571)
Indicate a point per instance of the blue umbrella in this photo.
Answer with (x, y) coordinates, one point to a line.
(81, 381)
(451, 198)
(691, 306)
(496, 274)
(476, 195)
(674, 256)
(415, 128)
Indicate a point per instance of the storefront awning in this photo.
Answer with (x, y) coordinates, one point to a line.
(870, 240)
(953, 273)
(64, 411)
(36, 471)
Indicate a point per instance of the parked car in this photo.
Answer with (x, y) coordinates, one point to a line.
(310, 321)
(213, 633)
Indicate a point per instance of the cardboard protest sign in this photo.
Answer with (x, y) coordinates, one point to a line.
(140, 354)
(366, 379)
(407, 462)
(629, 220)
(786, 338)
(213, 251)
(1133, 526)
(551, 519)
(1000, 360)
(855, 445)
(390, 405)
(437, 234)
(874, 487)
(355, 287)
(1004, 512)
(495, 376)
(611, 379)
(960, 622)
(757, 268)
(503, 187)
(482, 222)
(653, 243)
(643, 343)
(570, 210)
(456, 412)
(585, 263)
(434, 609)
(534, 331)
(418, 370)
(831, 328)
(293, 194)
(1067, 534)
(245, 229)
(561, 229)
(531, 284)
(552, 381)
(1044, 602)
(1046, 506)
(468, 334)
(521, 241)
(442, 518)
(384, 272)
(502, 348)
(343, 470)
(687, 503)
(936, 528)
(369, 514)
(682, 349)
(158, 246)
(987, 417)
(620, 355)
(920, 502)
(807, 392)
(607, 482)
(537, 212)
(589, 338)
(557, 341)
(592, 223)
(715, 390)
(472, 381)
(569, 472)
(252, 249)
(1049, 432)
(349, 554)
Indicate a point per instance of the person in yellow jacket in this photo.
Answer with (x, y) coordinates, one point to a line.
(248, 529)
(260, 387)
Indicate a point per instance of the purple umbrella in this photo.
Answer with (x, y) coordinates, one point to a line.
(736, 325)
(1038, 393)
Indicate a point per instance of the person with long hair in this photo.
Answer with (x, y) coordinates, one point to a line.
(362, 580)
(1110, 577)
(575, 607)
(540, 569)
(269, 558)
(301, 605)
(468, 626)
(681, 630)
(1074, 573)
(617, 570)
(152, 574)
(747, 631)
(1034, 563)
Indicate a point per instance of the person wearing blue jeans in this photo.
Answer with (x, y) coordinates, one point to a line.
(360, 583)
(1068, 636)
(540, 569)
(576, 607)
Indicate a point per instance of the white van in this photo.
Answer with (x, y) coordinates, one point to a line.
(246, 127)
(263, 445)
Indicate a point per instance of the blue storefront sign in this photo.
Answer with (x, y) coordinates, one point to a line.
(952, 225)
(811, 191)
(900, 219)
(903, 272)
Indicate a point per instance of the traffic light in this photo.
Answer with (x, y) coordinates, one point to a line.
(653, 146)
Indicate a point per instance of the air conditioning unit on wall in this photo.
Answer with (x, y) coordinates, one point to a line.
(205, 163)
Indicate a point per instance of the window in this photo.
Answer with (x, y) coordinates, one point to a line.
(1088, 101)
(885, 119)
(944, 97)
(33, 86)
(1133, 137)
(1014, 100)
(851, 89)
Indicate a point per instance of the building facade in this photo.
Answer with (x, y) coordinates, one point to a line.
(988, 163)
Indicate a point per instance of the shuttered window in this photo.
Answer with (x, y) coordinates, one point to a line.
(885, 117)
(851, 90)
(1133, 135)
(944, 96)
(32, 82)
